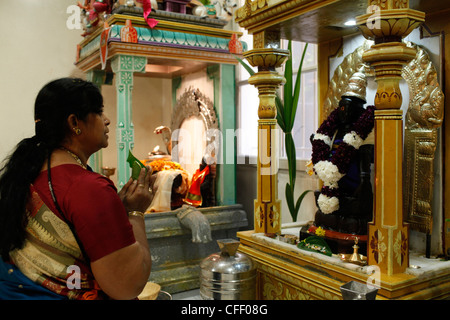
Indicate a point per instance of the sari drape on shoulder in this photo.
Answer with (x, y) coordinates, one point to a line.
(51, 258)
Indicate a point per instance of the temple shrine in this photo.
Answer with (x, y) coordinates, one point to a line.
(399, 148)
(359, 211)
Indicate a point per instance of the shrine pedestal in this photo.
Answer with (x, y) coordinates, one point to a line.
(175, 258)
(288, 273)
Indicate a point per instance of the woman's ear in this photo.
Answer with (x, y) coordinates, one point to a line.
(72, 121)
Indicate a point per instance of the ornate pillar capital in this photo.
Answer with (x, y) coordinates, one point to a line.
(387, 22)
(128, 63)
(267, 80)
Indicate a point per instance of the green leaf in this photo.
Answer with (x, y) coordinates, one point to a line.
(246, 66)
(280, 113)
(287, 97)
(297, 89)
(290, 201)
(315, 244)
(300, 199)
(291, 157)
(135, 165)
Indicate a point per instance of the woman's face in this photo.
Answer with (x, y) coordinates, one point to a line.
(94, 131)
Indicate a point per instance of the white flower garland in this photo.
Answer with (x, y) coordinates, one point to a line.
(353, 139)
(328, 173)
(324, 138)
(328, 204)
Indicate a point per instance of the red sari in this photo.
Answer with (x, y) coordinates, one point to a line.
(94, 225)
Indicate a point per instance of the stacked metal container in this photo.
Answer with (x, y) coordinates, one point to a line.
(228, 275)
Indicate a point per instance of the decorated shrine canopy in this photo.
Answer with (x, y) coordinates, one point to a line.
(182, 43)
(133, 41)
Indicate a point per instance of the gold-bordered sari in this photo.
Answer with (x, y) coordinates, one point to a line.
(51, 255)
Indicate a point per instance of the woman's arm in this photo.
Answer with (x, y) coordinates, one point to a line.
(124, 273)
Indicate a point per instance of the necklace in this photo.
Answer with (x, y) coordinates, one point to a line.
(331, 167)
(77, 159)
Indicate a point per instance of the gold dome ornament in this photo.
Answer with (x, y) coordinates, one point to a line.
(357, 85)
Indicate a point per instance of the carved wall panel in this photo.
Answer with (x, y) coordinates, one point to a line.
(424, 115)
(276, 285)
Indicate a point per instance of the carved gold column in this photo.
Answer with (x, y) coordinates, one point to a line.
(266, 56)
(387, 23)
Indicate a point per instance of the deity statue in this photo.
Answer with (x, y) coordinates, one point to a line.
(342, 157)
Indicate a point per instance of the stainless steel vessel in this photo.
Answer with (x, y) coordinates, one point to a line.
(228, 275)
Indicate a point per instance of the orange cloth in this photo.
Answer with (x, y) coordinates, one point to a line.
(194, 196)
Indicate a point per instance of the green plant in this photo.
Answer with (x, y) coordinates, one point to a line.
(286, 110)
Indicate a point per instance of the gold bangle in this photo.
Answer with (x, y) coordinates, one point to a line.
(136, 214)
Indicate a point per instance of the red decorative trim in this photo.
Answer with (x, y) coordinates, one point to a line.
(339, 235)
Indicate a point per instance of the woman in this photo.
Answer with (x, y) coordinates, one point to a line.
(65, 232)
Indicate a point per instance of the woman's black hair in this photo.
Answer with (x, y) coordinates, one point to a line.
(54, 103)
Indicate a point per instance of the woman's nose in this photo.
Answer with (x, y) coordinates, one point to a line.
(106, 120)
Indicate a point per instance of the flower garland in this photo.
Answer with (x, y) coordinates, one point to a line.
(329, 167)
(160, 165)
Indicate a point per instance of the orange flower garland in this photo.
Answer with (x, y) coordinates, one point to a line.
(160, 165)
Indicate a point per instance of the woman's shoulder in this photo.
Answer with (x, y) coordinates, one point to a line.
(73, 176)
(80, 177)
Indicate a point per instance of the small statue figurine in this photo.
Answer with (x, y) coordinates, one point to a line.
(128, 33)
(342, 159)
(166, 135)
(216, 9)
(93, 12)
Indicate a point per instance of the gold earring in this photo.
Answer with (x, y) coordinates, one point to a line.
(77, 131)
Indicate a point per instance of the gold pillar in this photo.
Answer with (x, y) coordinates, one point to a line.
(266, 56)
(387, 23)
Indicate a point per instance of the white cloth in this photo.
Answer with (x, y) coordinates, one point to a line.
(163, 185)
